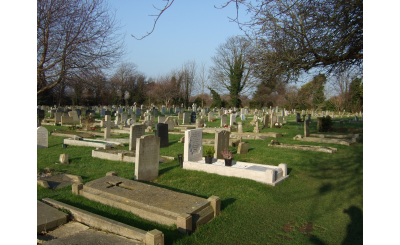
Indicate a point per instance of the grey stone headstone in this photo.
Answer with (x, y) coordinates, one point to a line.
(193, 149)
(136, 131)
(162, 132)
(42, 137)
(147, 157)
(107, 113)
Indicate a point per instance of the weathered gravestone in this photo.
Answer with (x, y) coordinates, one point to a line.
(74, 115)
(186, 118)
(147, 157)
(306, 128)
(107, 113)
(193, 149)
(224, 120)
(240, 127)
(210, 116)
(78, 111)
(107, 124)
(136, 131)
(221, 143)
(243, 148)
(170, 123)
(66, 120)
(162, 132)
(42, 137)
(232, 119)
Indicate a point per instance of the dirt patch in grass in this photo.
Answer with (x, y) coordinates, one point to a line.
(306, 228)
(289, 227)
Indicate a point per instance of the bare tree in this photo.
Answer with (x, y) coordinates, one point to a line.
(297, 36)
(202, 80)
(73, 35)
(232, 70)
(121, 77)
(187, 76)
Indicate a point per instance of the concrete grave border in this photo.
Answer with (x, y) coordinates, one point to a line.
(93, 220)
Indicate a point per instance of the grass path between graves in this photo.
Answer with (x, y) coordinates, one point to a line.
(320, 203)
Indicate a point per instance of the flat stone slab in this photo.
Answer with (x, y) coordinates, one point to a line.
(353, 137)
(48, 217)
(150, 202)
(102, 223)
(89, 143)
(59, 181)
(267, 174)
(122, 155)
(347, 142)
(306, 147)
(91, 237)
(255, 135)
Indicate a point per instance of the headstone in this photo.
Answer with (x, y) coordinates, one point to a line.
(133, 117)
(319, 124)
(242, 117)
(193, 117)
(107, 113)
(232, 119)
(266, 120)
(107, 125)
(41, 114)
(78, 111)
(124, 116)
(356, 118)
(162, 133)
(42, 137)
(210, 116)
(256, 128)
(74, 115)
(138, 112)
(170, 123)
(224, 120)
(193, 149)
(64, 159)
(221, 143)
(180, 115)
(66, 120)
(306, 128)
(298, 119)
(135, 132)
(57, 116)
(52, 112)
(243, 148)
(186, 118)
(240, 127)
(161, 119)
(147, 157)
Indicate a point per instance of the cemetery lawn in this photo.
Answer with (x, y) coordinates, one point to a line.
(320, 203)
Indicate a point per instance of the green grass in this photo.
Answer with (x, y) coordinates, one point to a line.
(324, 191)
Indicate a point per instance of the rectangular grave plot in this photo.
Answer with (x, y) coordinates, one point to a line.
(150, 202)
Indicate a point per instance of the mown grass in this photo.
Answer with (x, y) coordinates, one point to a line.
(320, 203)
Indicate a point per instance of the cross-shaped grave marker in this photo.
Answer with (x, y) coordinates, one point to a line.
(107, 124)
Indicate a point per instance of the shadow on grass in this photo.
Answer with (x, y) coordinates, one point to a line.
(227, 202)
(164, 170)
(355, 228)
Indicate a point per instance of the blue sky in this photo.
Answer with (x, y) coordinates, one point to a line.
(188, 30)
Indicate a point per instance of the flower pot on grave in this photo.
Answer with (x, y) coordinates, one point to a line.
(208, 159)
(228, 162)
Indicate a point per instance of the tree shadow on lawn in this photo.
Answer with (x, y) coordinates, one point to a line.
(341, 184)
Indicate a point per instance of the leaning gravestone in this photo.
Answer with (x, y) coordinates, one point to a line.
(42, 137)
(147, 157)
(136, 131)
(162, 132)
